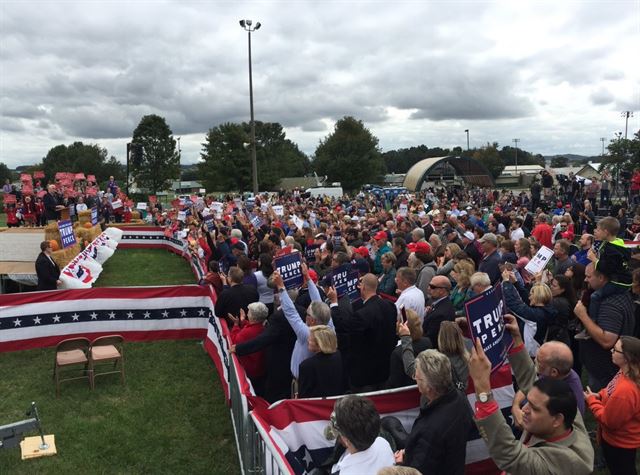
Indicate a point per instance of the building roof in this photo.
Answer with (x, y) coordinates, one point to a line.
(439, 168)
(521, 169)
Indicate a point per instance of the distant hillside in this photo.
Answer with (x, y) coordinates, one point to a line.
(577, 159)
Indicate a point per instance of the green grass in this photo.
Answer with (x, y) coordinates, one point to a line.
(170, 417)
(145, 267)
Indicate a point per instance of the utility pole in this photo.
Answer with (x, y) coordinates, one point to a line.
(179, 166)
(602, 139)
(626, 115)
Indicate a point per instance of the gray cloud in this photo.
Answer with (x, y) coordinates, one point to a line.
(601, 97)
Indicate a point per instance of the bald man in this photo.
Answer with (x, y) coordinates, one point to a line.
(51, 204)
(372, 336)
(440, 308)
(554, 360)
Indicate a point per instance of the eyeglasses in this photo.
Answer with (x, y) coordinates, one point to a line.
(436, 287)
(613, 350)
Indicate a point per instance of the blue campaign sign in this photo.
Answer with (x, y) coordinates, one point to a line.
(337, 238)
(256, 220)
(66, 233)
(485, 317)
(94, 216)
(290, 268)
(345, 280)
(209, 221)
(310, 253)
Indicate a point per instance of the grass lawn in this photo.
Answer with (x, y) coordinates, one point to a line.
(169, 418)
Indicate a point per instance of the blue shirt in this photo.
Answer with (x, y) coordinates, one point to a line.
(300, 348)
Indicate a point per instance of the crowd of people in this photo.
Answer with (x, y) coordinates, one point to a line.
(420, 258)
(417, 270)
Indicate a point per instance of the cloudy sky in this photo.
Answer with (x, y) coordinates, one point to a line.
(556, 74)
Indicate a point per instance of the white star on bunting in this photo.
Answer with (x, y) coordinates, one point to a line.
(165, 314)
(56, 319)
(75, 317)
(183, 313)
(93, 315)
(129, 314)
(17, 322)
(36, 320)
(147, 314)
(112, 315)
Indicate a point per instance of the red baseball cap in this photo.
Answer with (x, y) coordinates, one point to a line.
(381, 235)
(420, 246)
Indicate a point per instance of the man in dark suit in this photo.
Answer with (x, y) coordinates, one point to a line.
(51, 204)
(47, 270)
(235, 297)
(440, 309)
(372, 330)
(278, 339)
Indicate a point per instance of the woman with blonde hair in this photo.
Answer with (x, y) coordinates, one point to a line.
(322, 374)
(397, 374)
(461, 274)
(540, 311)
(617, 409)
(451, 343)
(448, 258)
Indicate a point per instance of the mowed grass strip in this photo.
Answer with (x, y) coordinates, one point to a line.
(129, 267)
(170, 417)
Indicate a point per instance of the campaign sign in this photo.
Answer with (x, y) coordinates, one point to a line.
(278, 210)
(340, 279)
(72, 210)
(182, 215)
(115, 204)
(403, 210)
(539, 261)
(337, 238)
(94, 216)
(289, 267)
(209, 221)
(310, 253)
(66, 233)
(256, 220)
(141, 206)
(38, 174)
(485, 317)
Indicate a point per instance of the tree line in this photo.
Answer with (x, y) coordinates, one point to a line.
(350, 154)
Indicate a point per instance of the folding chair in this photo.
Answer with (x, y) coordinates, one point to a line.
(104, 351)
(71, 352)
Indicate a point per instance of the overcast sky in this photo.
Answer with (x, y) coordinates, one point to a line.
(556, 74)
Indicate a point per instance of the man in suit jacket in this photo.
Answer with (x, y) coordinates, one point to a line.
(237, 296)
(47, 270)
(439, 310)
(554, 440)
(278, 339)
(372, 330)
(50, 204)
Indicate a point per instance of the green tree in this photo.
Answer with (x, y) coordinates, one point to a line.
(226, 157)
(160, 160)
(90, 159)
(559, 162)
(490, 158)
(226, 163)
(5, 173)
(401, 160)
(624, 154)
(508, 155)
(349, 155)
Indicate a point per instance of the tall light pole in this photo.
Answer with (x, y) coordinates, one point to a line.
(179, 165)
(515, 141)
(626, 115)
(467, 132)
(602, 139)
(246, 24)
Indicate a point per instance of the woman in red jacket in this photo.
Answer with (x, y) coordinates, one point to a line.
(617, 408)
(245, 329)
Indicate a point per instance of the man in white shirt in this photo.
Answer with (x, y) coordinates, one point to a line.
(356, 424)
(410, 296)
(516, 229)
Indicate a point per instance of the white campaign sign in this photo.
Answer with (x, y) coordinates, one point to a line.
(539, 261)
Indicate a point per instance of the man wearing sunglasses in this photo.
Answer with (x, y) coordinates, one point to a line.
(440, 309)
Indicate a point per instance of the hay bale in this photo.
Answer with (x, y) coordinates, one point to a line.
(64, 256)
(135, 215)
(51, 232)
(84, 216)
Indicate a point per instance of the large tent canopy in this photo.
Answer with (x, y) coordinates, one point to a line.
(447, 169)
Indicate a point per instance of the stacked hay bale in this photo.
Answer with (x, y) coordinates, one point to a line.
(85, 233)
